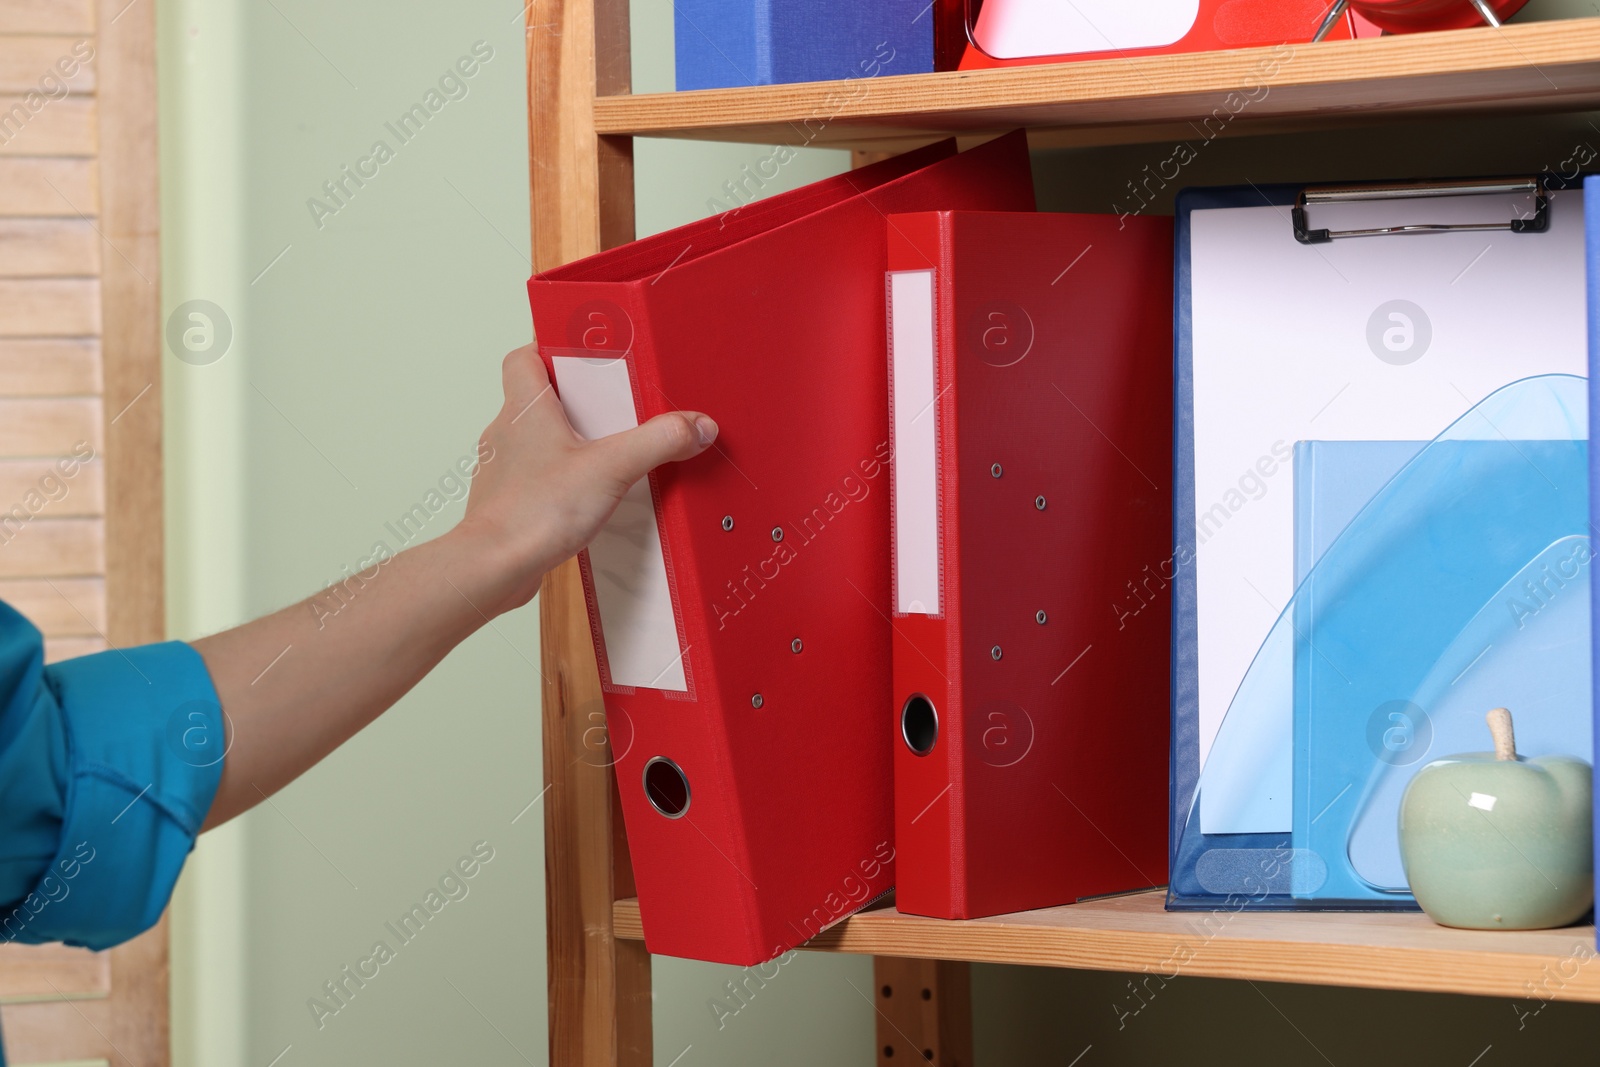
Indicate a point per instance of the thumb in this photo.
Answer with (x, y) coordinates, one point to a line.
(676, 435)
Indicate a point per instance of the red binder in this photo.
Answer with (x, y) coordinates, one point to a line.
(1031, 386)
(739, 601)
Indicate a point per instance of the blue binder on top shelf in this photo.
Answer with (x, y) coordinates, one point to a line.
(1381, 518)
(723, 44)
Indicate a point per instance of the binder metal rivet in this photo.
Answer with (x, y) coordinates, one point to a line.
(777, 533)
(756, 701)
(994, 653)
(727, 522)
(1039, 617)
(995, 470)
(1038, 502)
(794, 646)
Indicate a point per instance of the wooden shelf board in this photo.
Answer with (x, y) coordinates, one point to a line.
(1377, 950)
(1537, 66)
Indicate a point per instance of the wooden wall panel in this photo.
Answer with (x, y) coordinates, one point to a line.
(49, 307)
(36, 62)
(66, 127)
(80, 354)
(38, 972)
(30, 186)
(60, 648)
(127, 1028)
(61, 366)
(84, 490)
(64, 607)
(47, 16)
(130, 219)
(63, 547)
(45, 248)
(47, 426)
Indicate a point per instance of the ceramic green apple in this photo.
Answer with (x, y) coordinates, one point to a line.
(1494, 841)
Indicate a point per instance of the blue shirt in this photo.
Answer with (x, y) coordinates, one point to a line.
(108, 765)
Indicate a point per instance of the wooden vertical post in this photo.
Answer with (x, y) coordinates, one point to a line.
(582, 202)
(131, 337)
(130, 268)
(924, 1012)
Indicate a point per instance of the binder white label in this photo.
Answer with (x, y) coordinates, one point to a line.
(1013, 29)
(916, 443)
(625, 558)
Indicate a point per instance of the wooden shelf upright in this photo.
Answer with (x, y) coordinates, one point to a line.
(582, 121)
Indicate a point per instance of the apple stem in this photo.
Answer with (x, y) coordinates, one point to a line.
(1505, 742)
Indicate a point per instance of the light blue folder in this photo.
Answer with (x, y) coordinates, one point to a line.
(1525, 644)
(1333, 481)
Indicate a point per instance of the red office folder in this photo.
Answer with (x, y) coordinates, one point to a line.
(739, 601)
(1031, 384)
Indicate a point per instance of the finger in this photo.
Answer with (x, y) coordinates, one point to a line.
(677, 435)
(522, 376)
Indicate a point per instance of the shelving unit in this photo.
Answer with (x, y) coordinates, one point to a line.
(1376, 950)
(582, 125)
(1537, 66)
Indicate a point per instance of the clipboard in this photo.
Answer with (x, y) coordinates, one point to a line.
(1434, 327)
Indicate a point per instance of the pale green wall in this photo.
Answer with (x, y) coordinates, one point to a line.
(364, 362)
(202, 139)
(369, 352)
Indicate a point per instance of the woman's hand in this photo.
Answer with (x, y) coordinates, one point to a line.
(541, 492)
(298, 683)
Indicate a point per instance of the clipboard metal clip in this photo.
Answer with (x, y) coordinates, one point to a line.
(1314, 195)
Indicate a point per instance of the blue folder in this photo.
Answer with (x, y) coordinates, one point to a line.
(735, 43)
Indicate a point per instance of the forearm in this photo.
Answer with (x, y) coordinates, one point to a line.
(298, 683)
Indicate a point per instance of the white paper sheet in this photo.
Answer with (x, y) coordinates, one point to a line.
(1015, 29)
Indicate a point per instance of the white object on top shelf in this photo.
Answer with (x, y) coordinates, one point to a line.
(1017, 29)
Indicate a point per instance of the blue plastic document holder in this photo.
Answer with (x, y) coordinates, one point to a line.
(1426, 578)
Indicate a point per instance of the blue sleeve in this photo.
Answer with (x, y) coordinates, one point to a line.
(108, 765)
